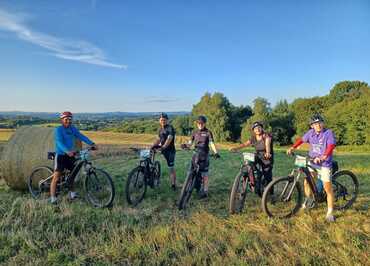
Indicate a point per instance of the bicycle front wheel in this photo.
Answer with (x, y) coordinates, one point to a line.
(186, 190)
(99, 188)
(39, 182)
(136, 186)
(238, 194)
(282, 198)
(345, 188)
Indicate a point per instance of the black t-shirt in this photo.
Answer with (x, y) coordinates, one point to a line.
(201, 140)
(163, 134)
(260, 146)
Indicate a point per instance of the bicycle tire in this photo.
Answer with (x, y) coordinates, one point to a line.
(342, 190)
(238, 194)
(94, 182)
(39, 173)
(186, 190)
(270, 200)
(134, 175)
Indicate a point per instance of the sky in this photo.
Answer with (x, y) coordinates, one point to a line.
(132, 56)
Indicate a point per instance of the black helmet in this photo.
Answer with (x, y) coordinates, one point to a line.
(257, 124)
(202, 119)
(316, 118)
(163, 115)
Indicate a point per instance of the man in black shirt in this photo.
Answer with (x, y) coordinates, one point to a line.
(166, 142)
(202, 139)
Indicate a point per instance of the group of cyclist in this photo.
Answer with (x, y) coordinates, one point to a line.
(321, 141)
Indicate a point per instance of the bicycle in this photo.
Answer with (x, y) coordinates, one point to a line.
(287, 197)
(147, 173)
(193, 180)
(97, 184)
(249, 179)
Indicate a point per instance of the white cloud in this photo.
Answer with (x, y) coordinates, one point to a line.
(74, 50)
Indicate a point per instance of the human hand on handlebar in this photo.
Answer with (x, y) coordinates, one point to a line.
(184, 146)
(72, 154)
(290, 151)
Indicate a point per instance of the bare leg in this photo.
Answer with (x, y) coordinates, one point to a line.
(330, 195)
(205, 183)
(173, 176)
(54, 183)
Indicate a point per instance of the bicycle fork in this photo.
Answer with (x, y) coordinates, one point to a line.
(288, 197)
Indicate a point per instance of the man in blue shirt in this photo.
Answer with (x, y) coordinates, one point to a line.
(65, 138)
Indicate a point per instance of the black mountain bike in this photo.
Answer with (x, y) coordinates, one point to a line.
(193, 180)
(147, 173)
(287, 197)
(248, 180)
(98, 185)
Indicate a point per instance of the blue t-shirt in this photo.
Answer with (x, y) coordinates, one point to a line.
(319, 143)
(65, 139)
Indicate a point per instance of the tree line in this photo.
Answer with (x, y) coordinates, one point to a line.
(346, 110)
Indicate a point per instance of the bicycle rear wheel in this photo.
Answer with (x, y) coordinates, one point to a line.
(238, 194)
(99, 188)
(186, 190)
(345, 187)
(39, 182)
(136, 186)
(282, 198)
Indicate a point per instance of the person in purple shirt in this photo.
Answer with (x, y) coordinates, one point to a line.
(65, 137)
(322, 144)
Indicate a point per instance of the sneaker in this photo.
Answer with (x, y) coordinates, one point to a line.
(203, 194)
(309, 203)
(73, 195)
(174, 187)
(330, 218)
(53, 200)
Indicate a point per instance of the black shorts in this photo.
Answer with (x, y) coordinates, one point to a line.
(202, 159)
(170, 157)
(63, 162)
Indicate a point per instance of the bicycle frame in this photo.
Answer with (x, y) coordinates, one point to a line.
(68, 175)
(297, 173)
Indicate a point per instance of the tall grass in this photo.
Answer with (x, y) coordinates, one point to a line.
(156, 233)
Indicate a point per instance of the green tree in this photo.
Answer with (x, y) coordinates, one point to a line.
(217, 108)
(262, 113)
(281, 123)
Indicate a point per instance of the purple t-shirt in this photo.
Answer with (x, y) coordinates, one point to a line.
(319, 143)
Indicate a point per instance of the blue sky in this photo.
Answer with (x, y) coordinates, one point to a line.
(98, 56)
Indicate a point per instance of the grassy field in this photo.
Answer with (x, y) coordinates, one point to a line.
(156, 233)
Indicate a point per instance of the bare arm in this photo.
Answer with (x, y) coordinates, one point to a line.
(213, 147)
(268, 147)
(168, 142)
(243, 145)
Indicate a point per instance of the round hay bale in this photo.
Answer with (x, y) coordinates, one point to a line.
(26, 149)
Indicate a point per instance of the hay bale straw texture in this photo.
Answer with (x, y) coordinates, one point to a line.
(26, 150)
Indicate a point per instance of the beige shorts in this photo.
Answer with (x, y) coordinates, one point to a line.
(324, 173)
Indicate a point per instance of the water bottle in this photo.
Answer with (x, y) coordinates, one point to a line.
(319, 186)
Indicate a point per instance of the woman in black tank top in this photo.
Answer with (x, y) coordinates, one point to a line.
(262, 142)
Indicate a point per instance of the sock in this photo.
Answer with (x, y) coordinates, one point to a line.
(330, 211)
(53, 199)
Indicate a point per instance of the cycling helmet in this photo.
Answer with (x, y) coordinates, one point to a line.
(316, 118)
(202, 119)
(257, 124)
(65, 114)
(163, 115)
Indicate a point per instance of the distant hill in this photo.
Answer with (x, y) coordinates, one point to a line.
(87, 116)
